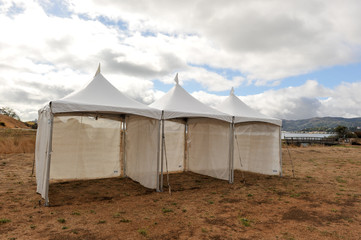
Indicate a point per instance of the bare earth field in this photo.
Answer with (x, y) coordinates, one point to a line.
(323, 201)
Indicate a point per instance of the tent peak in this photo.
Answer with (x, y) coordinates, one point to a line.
(231, 92)
(176, 79)
(98, 70)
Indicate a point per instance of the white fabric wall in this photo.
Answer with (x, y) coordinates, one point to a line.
(174, 142)
(85, 147)
(41, 149)
(209, 147)
(258, 146)
(141, 150)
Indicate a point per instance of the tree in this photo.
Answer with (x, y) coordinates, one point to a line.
(9, 112)
(341, 131)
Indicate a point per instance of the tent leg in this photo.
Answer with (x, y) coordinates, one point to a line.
(280, 151)
(49, 160)
(162, 155)
(231, 151)
(124, 145)
(185, 165)
(158, 155)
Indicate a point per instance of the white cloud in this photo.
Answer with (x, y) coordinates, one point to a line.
(306, 101)
(266, 40)
(44, 57)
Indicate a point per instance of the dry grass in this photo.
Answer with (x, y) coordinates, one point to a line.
(322, 201)
(17, 140)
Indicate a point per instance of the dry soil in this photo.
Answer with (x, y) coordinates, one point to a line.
(322, 201)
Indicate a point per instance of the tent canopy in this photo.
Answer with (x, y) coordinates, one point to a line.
(90, 140)
(233, 106)
(101, 96)
(178, 103)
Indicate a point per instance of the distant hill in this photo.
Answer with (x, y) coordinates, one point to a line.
(9, 122)
(321, 124)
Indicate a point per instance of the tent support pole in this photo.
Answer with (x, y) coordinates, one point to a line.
(231, 130)
(158, 156)
(280, 151)
(124, 143)
(185, 165)
(49, 159)
(162, 155)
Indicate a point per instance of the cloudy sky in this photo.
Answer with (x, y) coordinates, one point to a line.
(287, 59)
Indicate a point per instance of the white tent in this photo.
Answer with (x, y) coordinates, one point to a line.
(196, 137)
(257, 138)
(97, 132)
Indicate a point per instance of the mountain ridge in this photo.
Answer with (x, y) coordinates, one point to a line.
(321, 124)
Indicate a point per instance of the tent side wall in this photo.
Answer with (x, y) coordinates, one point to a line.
(174, 144)
(41, 149)
(208, 149)
(86, 147)
(257, 148)
(142, 150)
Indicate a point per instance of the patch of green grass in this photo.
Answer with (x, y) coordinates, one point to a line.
(92, 211)
(75, 213)
(74, 231)
(245, 222)
(210, 202)
(204, 230)
(32, 226)
(123, 220)
(308, 177)
(295, 195)
(64, 227)
(61, 220)
(340, 180)
(184, 210)
(249, 195)
(143, 232)
(102, 221)
(311, 228)
(166, 210)
(4, 220)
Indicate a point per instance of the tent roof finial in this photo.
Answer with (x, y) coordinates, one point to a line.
(176, 79)
(232, 91)
(98, 71)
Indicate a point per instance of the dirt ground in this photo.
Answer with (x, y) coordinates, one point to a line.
(322, 201)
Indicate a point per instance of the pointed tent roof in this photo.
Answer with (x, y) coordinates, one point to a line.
(234, 106)
(99, 95)
(178, 103)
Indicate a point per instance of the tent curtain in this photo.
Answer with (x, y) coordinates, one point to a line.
(257, 148)
(208, 147)
(85, 147)
(141, 149)
(41, 149)
(174, 131)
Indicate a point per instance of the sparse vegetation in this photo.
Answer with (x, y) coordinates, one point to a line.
(9, 112)
(166, 210)
(245, 222)
(143, 232)
(61, 220)
(326, 202)
(4, 220)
